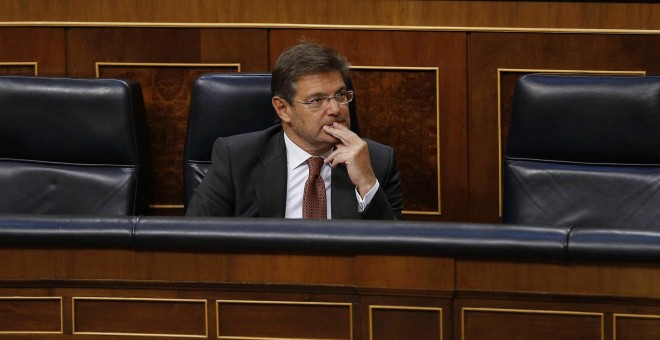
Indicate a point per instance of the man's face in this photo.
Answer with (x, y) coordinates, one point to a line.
(305, 125)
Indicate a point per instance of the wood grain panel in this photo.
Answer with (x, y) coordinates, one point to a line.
(425, 13)
(391, 322)
(41, 46)
(18, 69)
(30, 315)
(282, 319)
(422, 273)
(156, 317)
(417, 146)
(165, 62)
(404, 99)
(637, 327)
(490, 52)
(614, 280)
(487, 323)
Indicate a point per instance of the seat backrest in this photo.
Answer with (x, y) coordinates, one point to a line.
(584, 151)
(226, 104)
(72, 146)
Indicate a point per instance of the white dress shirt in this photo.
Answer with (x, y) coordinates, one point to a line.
(297, 173)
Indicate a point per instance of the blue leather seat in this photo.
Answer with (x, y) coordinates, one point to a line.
(72, 146)
(584, 151)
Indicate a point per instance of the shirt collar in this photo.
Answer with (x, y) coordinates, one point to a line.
(295, 156)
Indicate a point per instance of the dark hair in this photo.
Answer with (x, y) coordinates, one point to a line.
(304, 59)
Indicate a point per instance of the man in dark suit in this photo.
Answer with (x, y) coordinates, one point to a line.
(263, 174)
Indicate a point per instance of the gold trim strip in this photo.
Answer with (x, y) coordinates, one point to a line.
(328, 27)
(499, 107)
(23, 63)
(406, 308)
(56, 298)
(268, 302)
(100, 64)
(530, 311)
(437, 124)
(166, 206)
(73, 315)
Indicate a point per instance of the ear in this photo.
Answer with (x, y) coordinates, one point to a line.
(282, 108)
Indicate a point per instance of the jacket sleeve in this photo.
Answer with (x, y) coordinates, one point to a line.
(214, 196)
(387, 204)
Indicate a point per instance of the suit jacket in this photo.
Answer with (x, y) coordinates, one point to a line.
(248, 178)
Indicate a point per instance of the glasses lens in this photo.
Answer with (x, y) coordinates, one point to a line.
(348, 97)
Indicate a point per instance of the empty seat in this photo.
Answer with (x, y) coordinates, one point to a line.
(72, 146)
(584, 151)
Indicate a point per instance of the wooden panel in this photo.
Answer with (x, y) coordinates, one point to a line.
(117, 316)
(165, 62)
(282, 319)
(30, 315)
(392, 322)
(491, 52)
(492, 323)
(424, 273)
(100, 264)
(393, 110)
(614, 280)
(476, 14)
(32, 50)
(18, 68)
(417, 148)
(636, 327)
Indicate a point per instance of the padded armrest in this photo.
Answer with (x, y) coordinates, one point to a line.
(620, 245)
(350, 237)
(30, 231)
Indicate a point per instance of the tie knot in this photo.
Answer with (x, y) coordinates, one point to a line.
(315, 164)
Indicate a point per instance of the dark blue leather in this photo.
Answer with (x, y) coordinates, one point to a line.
(62, 231)
(72, 146)
(351, 237)
(332, 237)
(583, 151)
(607, 244)
(227, 104)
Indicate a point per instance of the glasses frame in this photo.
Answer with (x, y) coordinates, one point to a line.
(326, 100)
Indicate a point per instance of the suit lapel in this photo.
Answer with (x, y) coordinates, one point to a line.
(344, 203)
(270, 178)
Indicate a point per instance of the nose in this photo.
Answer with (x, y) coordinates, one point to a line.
(332, 106)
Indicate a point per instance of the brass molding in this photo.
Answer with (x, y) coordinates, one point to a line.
(17, 298)
(437, 122)
(34, 64)
(404, 308)
(291, 303)
(201, 301)
(530, 311)
(528, 71)
(166, 206)
(439, 28)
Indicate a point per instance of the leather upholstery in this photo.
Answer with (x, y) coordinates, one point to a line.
(583, 151)
(629, 244)
(67, 231)
(72, 146)
(344, 237)
(341, 237)
(227, 104)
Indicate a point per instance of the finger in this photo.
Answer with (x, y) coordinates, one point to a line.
(339, 131)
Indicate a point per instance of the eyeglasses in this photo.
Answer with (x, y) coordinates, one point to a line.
(342, 98)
